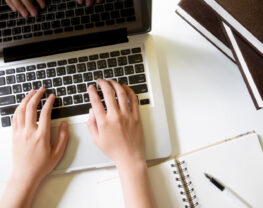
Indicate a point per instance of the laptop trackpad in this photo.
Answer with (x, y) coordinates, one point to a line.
(81, 152)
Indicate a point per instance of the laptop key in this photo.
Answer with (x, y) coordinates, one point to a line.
(82, 88)
(108, 73)
(129, 70)
(17, 88)
(47, 83)
(67, 101)
(94, 57)
(30, 76)
(62, 62)
(135, 59)
(2, 81)
(70, 111)
(125, 52)
(78, 99)
(118, 71)
(139, 88)
(139, 68)
(123, 80)
(81, 67)
(122, 61)
(41, 74)
(5, 111)
(10, 71)
(10, 79)
(57, 102)
(20, 97)
(71, 69)
(77, 78)
(67, 80)
(102, 64)
(51, 72)
(115, 53)
(41, 66)
(112, 62)
(20, 69)
(51, 64)
(86, 97)
(97, 75)
(18, 37)
(27, 87)
(2, 73)
(135, 79)
(72, 60)
(88, 77)
(8, 100)
(71, 89)
(6, 121)
(91, 66)
(61, 91)
(83, 59)
(57, 82)
(20, 78)
(50, 91)
(5, 90)
(30, 68)
(37, 85)
(61, 71)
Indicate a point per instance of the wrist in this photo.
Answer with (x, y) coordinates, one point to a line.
(131, 164)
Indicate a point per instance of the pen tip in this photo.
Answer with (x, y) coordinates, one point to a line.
(206, 175)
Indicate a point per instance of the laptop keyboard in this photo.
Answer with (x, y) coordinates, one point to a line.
(62, 16)
(68, 79)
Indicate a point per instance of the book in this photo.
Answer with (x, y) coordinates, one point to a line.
(244, 16)
(250, 63)
(180, 182)
(208, 23)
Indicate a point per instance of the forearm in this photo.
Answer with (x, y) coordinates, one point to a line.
(18, 193)
(136, 185)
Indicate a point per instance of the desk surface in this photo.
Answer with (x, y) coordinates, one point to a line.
(205, 96)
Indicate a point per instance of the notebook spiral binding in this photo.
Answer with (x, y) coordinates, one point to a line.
(185, 184)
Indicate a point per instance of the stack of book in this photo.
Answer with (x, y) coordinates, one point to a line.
(235, 27)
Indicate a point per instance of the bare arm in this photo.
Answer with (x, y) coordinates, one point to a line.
(118, 133)
(33, 155)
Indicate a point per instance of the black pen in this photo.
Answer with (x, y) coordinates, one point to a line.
(230, 194)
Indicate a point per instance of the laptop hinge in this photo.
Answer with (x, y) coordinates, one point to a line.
(50, 47)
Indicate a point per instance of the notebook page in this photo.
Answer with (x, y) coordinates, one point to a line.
(238, 164)
(165, 188)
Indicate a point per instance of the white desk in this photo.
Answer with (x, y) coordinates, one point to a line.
(206, 100)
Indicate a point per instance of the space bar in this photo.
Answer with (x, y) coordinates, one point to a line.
(70, 111)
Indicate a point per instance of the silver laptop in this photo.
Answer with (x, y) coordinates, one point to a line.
(65, 49)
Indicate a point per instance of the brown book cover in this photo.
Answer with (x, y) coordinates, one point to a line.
(248, 12)
(205, 16)
(250, 63)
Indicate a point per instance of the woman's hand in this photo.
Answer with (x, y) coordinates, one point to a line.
(27, 7)
(117, 132)
(33, 155)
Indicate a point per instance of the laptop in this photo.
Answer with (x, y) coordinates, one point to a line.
(65, 49)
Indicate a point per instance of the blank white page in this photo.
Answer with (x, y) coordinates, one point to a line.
(238, 164)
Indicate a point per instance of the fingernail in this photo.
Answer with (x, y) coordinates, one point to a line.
(65, 125)
(32, 92)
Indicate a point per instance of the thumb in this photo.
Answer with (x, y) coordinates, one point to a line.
(59, 147)
(92, 126)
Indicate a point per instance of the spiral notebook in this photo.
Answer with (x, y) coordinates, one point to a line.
(180, 182)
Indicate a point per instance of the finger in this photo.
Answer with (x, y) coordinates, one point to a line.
(89, 3)
(59, 147)
(96, 104)
(21, 109)
(45, 115)
(20, 8)
(14, 123)
(133, 100)
(41, 3)
(30, 7)
(31, 110)
(10, 4)
(108, 94)
(92, 126)
(99, 1)
(122, 96)
(80, 1)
